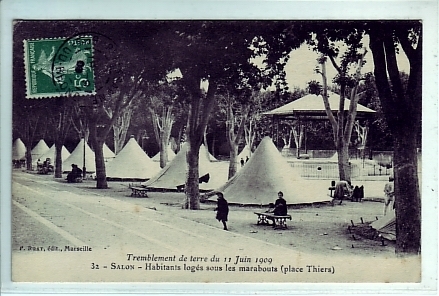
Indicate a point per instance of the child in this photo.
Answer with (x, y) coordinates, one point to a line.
(222, 210)
(389, 194)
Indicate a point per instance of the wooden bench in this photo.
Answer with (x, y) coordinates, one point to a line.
(139, 191)
(278, 222)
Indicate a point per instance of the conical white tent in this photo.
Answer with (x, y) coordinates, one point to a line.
(108, 154)
(386, 226)
(39, 150)
(174, 173)
(51, 154)
(171, 155)
(77, 157)
(263, 176)
(203, 149)
(333, 158)
(18, 150)
(132, 163)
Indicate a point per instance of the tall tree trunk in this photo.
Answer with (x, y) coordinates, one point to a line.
(162, 125)
(344, 168)
(28, 156)
(233, 165)
(98, 143)
(164, 142)
(205, 144)
(120, 129)
(214, 152)
(101, 176)
(58, 159)
(403, 125)
(233, 138)
(407, 203)
(192, 189)
(297, 137)
(200, 108)
(250, 134)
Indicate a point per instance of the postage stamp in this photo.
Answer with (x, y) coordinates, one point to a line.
(59, 67)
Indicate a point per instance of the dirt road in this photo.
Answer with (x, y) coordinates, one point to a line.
(66, 230)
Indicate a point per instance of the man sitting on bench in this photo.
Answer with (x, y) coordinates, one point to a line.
(280, 206)
(74, 174)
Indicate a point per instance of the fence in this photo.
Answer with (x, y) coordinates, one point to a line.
(312, 169)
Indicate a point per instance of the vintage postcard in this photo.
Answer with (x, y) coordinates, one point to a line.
(213, 151)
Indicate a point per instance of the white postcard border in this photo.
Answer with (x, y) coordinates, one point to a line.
(129, 9)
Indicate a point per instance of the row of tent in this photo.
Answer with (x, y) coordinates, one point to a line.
(41, 152)
(131, 162)
(258, 182)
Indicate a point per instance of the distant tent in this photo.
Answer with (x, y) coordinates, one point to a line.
(108, 154)
(171, 155)
(203, 149)
(77, 157)
(246, 152)
(174, 173)
(132, 163)
(386, 226)
(51, 154)
(39, 150)
(18, 150)
(263, 176)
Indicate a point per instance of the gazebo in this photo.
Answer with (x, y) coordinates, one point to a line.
(311, 108)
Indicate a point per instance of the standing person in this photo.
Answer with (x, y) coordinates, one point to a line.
(222, 210)
(246, 159)
(389, 194)
(242, 162)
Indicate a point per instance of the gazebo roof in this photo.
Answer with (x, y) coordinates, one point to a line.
(311, 107)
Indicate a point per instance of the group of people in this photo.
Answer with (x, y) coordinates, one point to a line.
(244, 162)
(45, 167)
(279, 208)
(343, 189)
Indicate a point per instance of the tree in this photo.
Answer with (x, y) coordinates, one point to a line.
(343, 124)
(379, 135)
(402, 107)
(162, 100)
(120, 128)
(28, 120)
(236, 118)
(260, 103)
(215, 51)
(61, 121)
(103, 115)
(122, 79)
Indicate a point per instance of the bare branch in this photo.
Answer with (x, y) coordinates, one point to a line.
(334, 63)
(325, 97)
(354, 99)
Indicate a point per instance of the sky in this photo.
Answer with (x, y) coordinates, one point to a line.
(301, 66)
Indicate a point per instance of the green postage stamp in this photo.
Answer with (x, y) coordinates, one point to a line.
(59, 67)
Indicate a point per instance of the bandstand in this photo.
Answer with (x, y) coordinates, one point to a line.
(310, 108)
